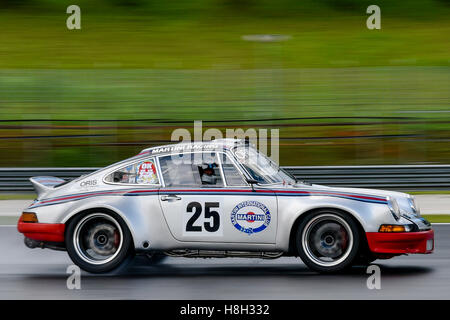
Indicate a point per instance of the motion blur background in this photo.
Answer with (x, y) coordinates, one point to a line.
(339, 93)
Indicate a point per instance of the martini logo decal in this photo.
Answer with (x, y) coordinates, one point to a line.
(250, 217)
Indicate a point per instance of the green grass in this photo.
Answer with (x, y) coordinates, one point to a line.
(437, 218)
(429, 192)
(187, 95)
(18, 196)
(188, 61)
(139, 42)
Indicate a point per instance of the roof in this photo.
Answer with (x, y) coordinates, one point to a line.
(196, 145)
(218, 144)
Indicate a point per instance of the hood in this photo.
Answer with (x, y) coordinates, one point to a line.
(399, 196)
(362, 191)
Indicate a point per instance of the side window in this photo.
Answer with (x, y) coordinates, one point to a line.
(209, 170)
(231, 173)
(143, 172)
(191, 169)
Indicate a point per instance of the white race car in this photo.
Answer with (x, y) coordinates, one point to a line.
(217, 199)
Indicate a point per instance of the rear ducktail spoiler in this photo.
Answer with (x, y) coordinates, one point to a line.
(45, 184)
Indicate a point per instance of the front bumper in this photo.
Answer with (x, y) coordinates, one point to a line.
(401, 242)
(45, 232)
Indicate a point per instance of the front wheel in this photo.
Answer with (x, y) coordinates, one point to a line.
(328, 241)
(98, 242)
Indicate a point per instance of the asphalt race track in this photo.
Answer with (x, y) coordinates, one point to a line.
(41, 274)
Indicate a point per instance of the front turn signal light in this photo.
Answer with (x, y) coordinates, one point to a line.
(391, 228)
(29, 217)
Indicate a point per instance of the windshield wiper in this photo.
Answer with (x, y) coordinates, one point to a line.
(288, 174)
(295, 179)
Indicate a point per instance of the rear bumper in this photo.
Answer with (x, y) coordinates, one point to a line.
(401, 242)
(46, 232)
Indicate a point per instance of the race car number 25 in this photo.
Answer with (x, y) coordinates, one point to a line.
(202, 219)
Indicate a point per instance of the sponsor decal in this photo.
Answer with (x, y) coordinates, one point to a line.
(250, 217)
(147, 173)
(88, 183)
(183, 147)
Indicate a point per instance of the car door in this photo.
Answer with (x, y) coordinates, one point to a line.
(223, 208)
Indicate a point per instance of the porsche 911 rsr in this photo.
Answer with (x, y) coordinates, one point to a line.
(217, 199)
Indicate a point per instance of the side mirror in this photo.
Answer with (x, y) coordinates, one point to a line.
(252, 182)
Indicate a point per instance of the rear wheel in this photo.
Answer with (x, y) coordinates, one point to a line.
(98, 242)
(328, 240)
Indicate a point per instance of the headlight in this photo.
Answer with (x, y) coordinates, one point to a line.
(413, 204)
(393, 206)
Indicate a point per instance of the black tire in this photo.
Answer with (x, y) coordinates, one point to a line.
(364, 259)
(84, 232)
(328, 240)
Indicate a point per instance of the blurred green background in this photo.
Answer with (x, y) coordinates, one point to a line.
(340, 94)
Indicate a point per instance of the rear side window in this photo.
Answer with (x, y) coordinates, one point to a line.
(143, 172)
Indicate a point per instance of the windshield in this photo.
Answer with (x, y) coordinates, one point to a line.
(261, 168)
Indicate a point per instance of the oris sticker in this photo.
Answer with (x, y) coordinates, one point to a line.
(88, 183)
(250, 217)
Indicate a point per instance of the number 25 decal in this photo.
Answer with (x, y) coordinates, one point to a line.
(196, 207)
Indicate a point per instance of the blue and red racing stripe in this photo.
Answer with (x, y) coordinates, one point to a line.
(210, 191)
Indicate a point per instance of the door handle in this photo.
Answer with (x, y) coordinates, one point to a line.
(170, 197)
